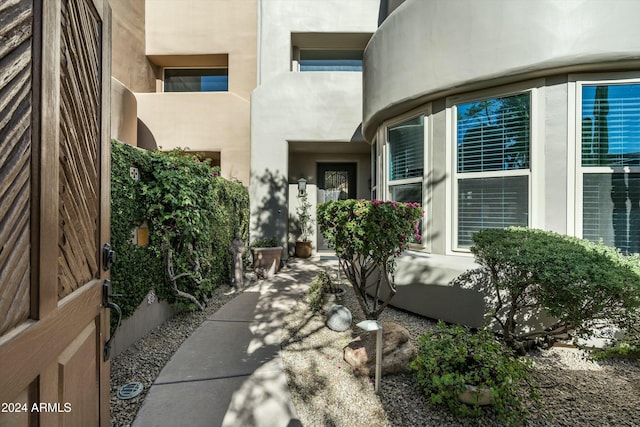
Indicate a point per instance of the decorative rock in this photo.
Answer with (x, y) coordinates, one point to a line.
(397, 351)
(339, 318)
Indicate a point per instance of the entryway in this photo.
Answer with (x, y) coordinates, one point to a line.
(336, 181)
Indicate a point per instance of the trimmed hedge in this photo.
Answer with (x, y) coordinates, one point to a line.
(189, 209)
(577, 282)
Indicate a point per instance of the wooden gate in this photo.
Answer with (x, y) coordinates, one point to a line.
(54, 211)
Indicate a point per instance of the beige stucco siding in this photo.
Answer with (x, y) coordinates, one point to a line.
(428, 49)
(201, 122)
(129, 62)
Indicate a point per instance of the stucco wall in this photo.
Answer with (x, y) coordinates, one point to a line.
(123, 113)
(129, 63)
(201, 27)
(277, 19)
(294, 106)
(428, 49)
(201, 122)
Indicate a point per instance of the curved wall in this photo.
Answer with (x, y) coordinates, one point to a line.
(124, 112)
(429, 55)
(429, 48)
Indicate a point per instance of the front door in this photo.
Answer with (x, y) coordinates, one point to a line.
(54, 212)
(336, 181)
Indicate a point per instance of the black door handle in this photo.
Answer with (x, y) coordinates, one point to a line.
(108, 257)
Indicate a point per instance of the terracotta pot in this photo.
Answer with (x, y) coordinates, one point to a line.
(303, 249)
(266, 261)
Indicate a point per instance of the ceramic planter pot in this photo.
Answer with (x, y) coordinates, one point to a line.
(266, 261)
(473, 395)
(330, 299)
(303, 249)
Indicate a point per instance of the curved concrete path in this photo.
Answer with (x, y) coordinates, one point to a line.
(229, 371)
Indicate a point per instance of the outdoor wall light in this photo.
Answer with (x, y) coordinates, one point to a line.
(302, 187)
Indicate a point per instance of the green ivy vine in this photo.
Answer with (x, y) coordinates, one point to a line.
(192, 213)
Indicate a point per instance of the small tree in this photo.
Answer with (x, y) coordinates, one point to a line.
(367, 236)
(581, 284)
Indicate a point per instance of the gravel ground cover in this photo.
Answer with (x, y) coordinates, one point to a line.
(574, 391)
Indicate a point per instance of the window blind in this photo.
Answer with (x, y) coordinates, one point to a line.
(494, 134)
(406, 149)
(491, 203)
(611, 210)
(611, 125)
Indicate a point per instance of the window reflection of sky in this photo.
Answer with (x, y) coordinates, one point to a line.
(623, 118)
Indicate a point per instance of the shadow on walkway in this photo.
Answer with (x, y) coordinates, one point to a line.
(229, 371)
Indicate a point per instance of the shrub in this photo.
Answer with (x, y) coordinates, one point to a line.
(264, 242)
(580, 283)
(452, 357)
(320, 285)
(367, 236)
(192, 214)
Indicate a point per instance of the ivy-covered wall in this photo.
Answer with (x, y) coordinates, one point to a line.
(191, 212)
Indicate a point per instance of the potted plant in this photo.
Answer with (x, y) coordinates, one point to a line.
(266, 255)
(467, 371)
(303, 246)
(323, 292)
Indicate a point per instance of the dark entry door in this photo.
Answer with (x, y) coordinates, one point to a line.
(335, 181)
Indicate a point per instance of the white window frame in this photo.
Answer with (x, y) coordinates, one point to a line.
(535, 172)
(574, 167)
(384, 184)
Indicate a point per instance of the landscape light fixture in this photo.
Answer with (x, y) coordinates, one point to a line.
(302, 187)
(370, 326)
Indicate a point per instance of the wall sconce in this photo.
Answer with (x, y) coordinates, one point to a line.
(302, 187)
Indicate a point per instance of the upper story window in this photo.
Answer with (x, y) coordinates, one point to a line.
(196, 79)
(609, 164)
(328, 51)
(493, 144)
(330, 60)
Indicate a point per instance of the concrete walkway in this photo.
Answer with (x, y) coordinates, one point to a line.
(229, 371)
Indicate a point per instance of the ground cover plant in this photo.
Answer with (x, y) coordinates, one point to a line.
(453, 360)
(367, 236)
(529, 274)
(192, 214)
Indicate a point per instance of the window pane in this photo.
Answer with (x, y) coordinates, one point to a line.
(611, 125)
(408, 193)
(494, 134)
(196, 80)
(491, 203)
(611, 210)
(406, 149)
(330, 60)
